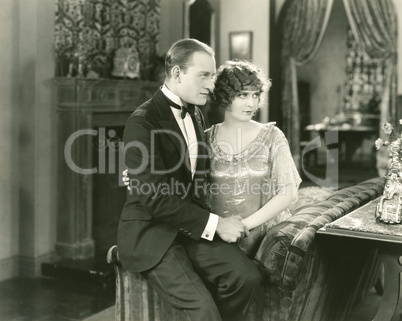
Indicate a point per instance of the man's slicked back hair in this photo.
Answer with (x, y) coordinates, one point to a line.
(181, 52)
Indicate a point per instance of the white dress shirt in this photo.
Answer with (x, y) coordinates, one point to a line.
(187, 128)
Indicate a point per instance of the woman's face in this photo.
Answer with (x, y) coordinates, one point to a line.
(244, 105)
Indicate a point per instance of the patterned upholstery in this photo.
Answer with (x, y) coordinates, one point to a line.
(308, 196)
(282, 251)
(304, 279)
(301, 278)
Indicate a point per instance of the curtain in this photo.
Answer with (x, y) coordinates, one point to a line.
(374, 26)
(92, 30)
(304, 26)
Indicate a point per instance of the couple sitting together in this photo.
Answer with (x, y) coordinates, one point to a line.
(201, 199)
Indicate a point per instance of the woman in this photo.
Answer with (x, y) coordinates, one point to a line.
(252, 170)
(252, 173)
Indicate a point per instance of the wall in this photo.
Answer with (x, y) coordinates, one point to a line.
(230, 16)
(38, 133)
(236, 15)
(172, 24)
(326, 72)
(9, 139)
(28, 125)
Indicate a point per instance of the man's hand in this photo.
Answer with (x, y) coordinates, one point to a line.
(230, 229)
(126, 179)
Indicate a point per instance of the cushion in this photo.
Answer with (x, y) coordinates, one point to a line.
(310, 195)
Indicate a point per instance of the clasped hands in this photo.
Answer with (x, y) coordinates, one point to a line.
(230, 229)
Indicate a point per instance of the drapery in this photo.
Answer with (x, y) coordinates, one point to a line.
(304, 26)
(92, 30)
(374, 26)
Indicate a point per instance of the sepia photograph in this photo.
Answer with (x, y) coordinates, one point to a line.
(177, 160)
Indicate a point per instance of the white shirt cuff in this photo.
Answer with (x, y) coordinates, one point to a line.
(210, 229)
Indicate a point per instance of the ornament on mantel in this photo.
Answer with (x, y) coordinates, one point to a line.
(126, 63)
(389, 208)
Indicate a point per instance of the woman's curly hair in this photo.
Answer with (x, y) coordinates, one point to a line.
(232, 77)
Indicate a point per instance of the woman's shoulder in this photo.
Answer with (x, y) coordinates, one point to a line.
(271, 134)
(273, 129)
(268, 128)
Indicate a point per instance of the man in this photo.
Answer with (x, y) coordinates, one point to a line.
(165, 231)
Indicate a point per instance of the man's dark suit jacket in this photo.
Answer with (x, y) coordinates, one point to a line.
(151, 218)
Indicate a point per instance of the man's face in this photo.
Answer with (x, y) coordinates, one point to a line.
(198, 80)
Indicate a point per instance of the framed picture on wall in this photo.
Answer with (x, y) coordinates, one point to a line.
(240, 45)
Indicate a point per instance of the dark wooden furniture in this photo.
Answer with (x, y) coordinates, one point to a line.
(361, 224)
(89, 111)
(349, 137)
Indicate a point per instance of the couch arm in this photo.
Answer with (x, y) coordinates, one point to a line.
(283, 249)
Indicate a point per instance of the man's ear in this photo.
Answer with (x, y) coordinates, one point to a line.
(176, 71)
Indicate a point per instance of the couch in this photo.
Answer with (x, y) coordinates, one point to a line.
(306, 278)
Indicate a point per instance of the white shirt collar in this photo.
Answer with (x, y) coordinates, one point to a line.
(176, 99)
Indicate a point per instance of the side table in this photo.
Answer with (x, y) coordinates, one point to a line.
(361, 224)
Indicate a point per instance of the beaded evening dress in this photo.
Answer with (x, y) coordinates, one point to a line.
(242, 183)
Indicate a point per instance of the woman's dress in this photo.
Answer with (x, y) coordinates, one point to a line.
(242, 183)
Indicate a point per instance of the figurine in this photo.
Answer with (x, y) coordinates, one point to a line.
(70, 70)
(389, 208)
